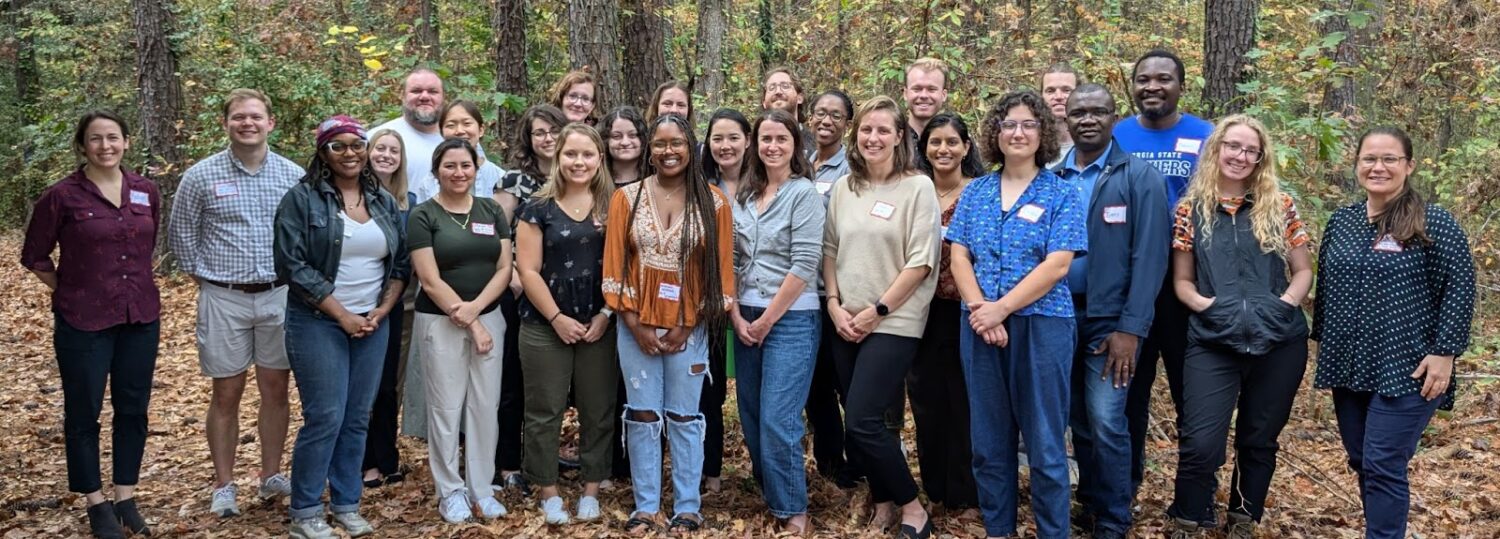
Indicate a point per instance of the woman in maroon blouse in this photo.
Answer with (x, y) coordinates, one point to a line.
(102, 220)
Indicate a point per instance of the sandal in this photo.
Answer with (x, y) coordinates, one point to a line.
(638, 526)
(685, 524)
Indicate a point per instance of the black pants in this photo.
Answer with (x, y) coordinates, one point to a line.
(512, 390)
(124, 357)
(1168, 338)
(380, 444)
(940, 407)
(822, 408)
(1216, 383)
(620, 463)
(711, 405)
(873, 374)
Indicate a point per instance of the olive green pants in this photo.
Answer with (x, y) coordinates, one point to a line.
(550, 370)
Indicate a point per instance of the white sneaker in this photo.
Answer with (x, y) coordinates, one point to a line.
(455, 508)
(588, 509)
(554, 511)
(276, 485)
(310, 528)
(490, 508)
(223, 503)
(354, 524)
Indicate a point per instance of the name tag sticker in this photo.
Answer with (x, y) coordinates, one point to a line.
(140, 197)
(484, 229)
(1030, 213)
(1189, 145)
(945, 233)
(823, 187)
(1388, 244)
(1114, 215)
(883, 210)
(669, 292)
(226, 189)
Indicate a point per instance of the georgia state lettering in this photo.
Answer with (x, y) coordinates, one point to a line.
(1159, 147)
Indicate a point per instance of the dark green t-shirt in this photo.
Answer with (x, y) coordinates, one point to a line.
(466, 247)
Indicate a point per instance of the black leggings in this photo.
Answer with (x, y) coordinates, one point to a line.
(512, 386)
(823, 400)
(711, 405)
(873, 374)
(940, 408)
(380, 445)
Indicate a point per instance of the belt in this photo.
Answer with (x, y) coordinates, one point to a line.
(252, 288)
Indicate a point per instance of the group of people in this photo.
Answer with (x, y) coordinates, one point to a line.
(1015, 284)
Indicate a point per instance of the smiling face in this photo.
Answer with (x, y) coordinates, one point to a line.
(624, 141)
(925, 93)
(349, 157)
(781, 93)
(669, 150)
(1239, 152)
(1056, 87)
(104, 144)
(458, 123)
(1091, 119)
(1156, 87)
(248, 123)
(727, 143)
(385, 155)
(945, 150)
(1377, 177)
(877, 136)
(455, 171)
(422, 98)
(544, 138)
(829, 121)
(673, 101)
(578, 102)
(774, 145)
(579, 160)
(1020, 133)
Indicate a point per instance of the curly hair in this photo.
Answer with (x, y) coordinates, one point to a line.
(522, 156)
(1267, 216)
(632, 115)
(989, 140)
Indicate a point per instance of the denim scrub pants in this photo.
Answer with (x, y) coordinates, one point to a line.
(666, 386)
(337, 376)
(1021, 389)
(772, 381)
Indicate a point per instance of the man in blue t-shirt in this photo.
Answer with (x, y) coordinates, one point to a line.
(1171, 140)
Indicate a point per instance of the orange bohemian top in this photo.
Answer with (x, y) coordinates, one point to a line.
(643, 270)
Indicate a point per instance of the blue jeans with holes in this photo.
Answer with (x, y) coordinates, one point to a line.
(1381, 434)
(665, 386)
(337, 376)
(772, 381)
(1101, 432)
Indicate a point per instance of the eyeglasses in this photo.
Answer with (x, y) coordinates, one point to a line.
(579, 99)
(1250, 154)
(1026, 125)
(820, 114)
(663, 145)
(341, 147)
(1368, 161)
(545, 133)
(783, 86)
(1079, 114)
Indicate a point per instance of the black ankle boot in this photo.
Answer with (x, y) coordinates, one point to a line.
(130, 517)
(103, 523)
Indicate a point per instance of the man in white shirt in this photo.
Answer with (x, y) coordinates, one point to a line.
(421, 109)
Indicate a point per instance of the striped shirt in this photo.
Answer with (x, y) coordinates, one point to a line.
(221, 218)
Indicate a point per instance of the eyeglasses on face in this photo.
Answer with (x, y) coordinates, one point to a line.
(1026, 125)
(580, 99)
(674, 144)
(1252, 155)
(1368, 161)
(820, 114)
(341, 147)
(546, 133)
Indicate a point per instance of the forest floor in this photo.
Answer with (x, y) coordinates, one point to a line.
(1455, 475)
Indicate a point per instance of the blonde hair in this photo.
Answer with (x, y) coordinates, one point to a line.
(602, 186)
(1263, 188)
(245, 94)
(399, 184)
(927, 64)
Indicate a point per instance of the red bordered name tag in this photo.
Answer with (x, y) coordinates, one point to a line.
(1388, 244)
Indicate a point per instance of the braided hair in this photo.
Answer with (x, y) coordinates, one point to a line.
(319, 173)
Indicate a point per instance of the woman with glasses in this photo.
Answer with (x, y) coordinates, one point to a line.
(575, 95)
(1013, 235)
(1235, 240)
(1394, 304)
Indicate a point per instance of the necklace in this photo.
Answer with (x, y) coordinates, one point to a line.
(668, 196)
(464, 225)
(961, 184)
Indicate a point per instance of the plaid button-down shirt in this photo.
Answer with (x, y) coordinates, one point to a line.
(221, 218)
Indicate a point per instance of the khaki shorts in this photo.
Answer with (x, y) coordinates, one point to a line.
(236, 329)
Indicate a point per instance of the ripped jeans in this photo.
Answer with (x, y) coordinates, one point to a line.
(666, 387)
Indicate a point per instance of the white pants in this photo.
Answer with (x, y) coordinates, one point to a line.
(461, 384)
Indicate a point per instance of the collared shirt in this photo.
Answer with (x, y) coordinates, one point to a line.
(1005, 246)
(837, 166)
(784, 239)
(222, 215)
(104, 257)
(1084, 178)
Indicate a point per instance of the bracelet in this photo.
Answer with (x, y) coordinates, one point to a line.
(607, 312)
(836, 298)
(554, 317)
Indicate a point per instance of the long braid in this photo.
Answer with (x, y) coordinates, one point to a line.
(713, 318)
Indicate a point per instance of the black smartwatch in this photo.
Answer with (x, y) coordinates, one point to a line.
(881, 309)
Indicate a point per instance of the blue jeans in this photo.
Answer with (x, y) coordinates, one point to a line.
(1101, 433)
(336, 376)
(1381, 434)
(664, 387)
(772, 384)
(1020, 389)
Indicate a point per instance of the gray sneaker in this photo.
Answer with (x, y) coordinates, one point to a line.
(223, 503)
(354, 524)
(1186, 529)
(310, 528)
(276, 485)
(1240, 526)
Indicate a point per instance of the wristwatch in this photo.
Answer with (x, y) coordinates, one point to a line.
(881, 309)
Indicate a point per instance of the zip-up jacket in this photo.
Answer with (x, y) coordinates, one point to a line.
(1247, 314)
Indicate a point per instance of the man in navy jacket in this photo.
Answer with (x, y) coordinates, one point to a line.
(1114, 294)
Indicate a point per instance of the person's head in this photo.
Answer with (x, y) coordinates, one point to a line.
(831, 113)
(926, 89)
(775, 148)
(422, 97)
(1156, 83)
(726, 140)
(462, 119)
(247, 118)
(388, 162)
(781, 89)
(945, 146)
(1238, 158)
(580, 165)
(101, 139)
(1020, 126)
(671, 141)
(1091, 117)
(576, 94)
(534, 141)
(1383, 165)
(455, 162)
(1058, 81)
(879, 140)
(340, 153)
(671, 97)
(624, 132)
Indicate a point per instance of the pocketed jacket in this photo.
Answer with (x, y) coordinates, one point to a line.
(1247, 315)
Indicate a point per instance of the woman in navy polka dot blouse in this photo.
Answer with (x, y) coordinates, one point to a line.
(1394, 302)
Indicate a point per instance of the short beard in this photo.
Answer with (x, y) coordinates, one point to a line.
(1165, 110)
(416, 117)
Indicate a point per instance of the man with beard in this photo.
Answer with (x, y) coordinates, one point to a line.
(1058, 82)
(1114, 295)
(925, 91)
(1171, 141)
(421, 108)
(783, 90)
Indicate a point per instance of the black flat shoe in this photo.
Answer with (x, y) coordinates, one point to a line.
(130, 517)
(395, 478)
(908, 532)
(103, 523)
(374, 483)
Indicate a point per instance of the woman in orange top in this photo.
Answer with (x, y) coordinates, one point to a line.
(668, 274)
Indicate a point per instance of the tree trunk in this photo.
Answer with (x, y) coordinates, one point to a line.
(768, 52)
(593, 42)
(645, 50)
(1026, 12)
(1338, 96)
(160, 101)
(713, 24)
(427, 31)
(508, 22)
(27, 76)
(1228, 33)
